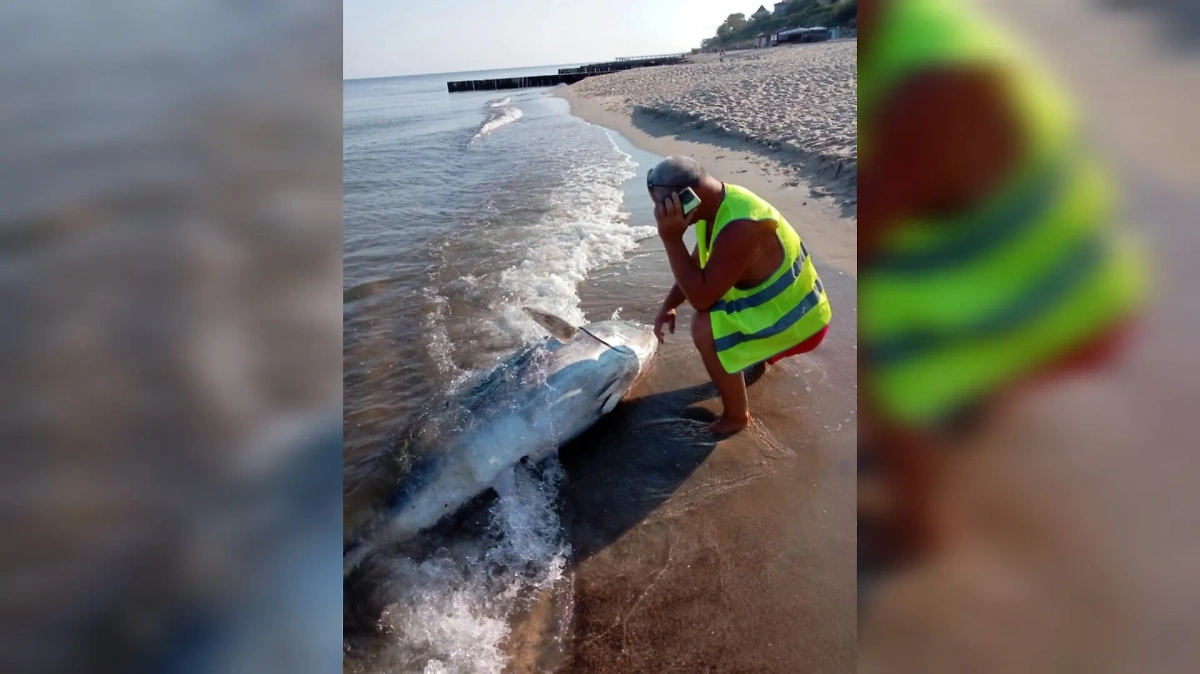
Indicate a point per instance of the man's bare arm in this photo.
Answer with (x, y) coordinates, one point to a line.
(944, 141)
(675, 297)
(704, 286)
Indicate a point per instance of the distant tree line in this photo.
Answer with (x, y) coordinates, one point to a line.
(797, 14)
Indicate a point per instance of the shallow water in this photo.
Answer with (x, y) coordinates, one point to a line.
(459, 211)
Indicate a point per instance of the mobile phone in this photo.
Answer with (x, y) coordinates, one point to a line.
(688, 200)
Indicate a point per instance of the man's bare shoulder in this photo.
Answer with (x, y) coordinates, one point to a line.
(748, 230)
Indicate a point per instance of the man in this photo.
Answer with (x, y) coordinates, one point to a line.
(988, 251)
(751, 281)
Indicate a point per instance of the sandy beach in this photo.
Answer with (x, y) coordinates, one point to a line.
(797, 104)
(801, 155)
(692, 554)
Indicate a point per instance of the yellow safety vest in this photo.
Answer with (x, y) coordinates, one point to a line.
(951, 310)
(755, 325)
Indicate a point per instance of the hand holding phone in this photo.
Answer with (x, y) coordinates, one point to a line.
(688, 200)
(671, 214)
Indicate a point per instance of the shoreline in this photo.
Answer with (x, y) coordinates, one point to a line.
(692, 552)
(824, 220)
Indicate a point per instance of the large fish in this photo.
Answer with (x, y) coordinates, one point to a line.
(528, 406)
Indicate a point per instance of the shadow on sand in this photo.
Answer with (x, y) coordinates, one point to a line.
(628, 464)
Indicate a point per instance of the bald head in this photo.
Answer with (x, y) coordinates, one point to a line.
(676, 173)
(673, 174)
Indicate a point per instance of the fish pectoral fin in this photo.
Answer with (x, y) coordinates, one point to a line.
(556, 326)
(611, 396)
(610, 404)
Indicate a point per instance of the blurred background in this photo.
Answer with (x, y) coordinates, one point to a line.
(1070, 514)
(170, 340)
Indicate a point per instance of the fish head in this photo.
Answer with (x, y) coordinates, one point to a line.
(631, 347)
(639, 340)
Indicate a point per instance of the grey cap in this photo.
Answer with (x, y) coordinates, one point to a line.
(675, 173)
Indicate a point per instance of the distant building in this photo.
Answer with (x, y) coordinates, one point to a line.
(781, 7)
(815, 34)
(760, 13)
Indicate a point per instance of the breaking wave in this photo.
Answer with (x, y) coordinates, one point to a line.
(453, 609)
(504, 114)
(586, 228)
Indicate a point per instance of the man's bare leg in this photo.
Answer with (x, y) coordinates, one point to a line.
(732, 387)
(911, 465)
(754, 373)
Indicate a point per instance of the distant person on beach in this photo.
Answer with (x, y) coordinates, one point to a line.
(989, 251)
(757, 296)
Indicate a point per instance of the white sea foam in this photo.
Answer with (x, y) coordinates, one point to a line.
(450, 613)
(498, 118)
(501, 102)
(585, 229)
(440, 346)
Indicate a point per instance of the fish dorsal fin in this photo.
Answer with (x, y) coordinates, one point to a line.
(556, 326)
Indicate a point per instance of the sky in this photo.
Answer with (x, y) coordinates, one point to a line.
(382, 38)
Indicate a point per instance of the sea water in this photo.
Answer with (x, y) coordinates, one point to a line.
(459, 210)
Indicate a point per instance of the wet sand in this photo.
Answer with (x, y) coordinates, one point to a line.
(737, 555)
(697, 555)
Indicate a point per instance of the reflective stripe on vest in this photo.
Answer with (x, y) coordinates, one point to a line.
(992, 229)
(766, 294)
(810, 302)
(1052, 288)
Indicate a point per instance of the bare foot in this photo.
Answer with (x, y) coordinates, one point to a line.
(727, 425)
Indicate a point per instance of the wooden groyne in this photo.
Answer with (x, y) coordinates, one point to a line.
(565, 75)
(513, 83)
(624, 64)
